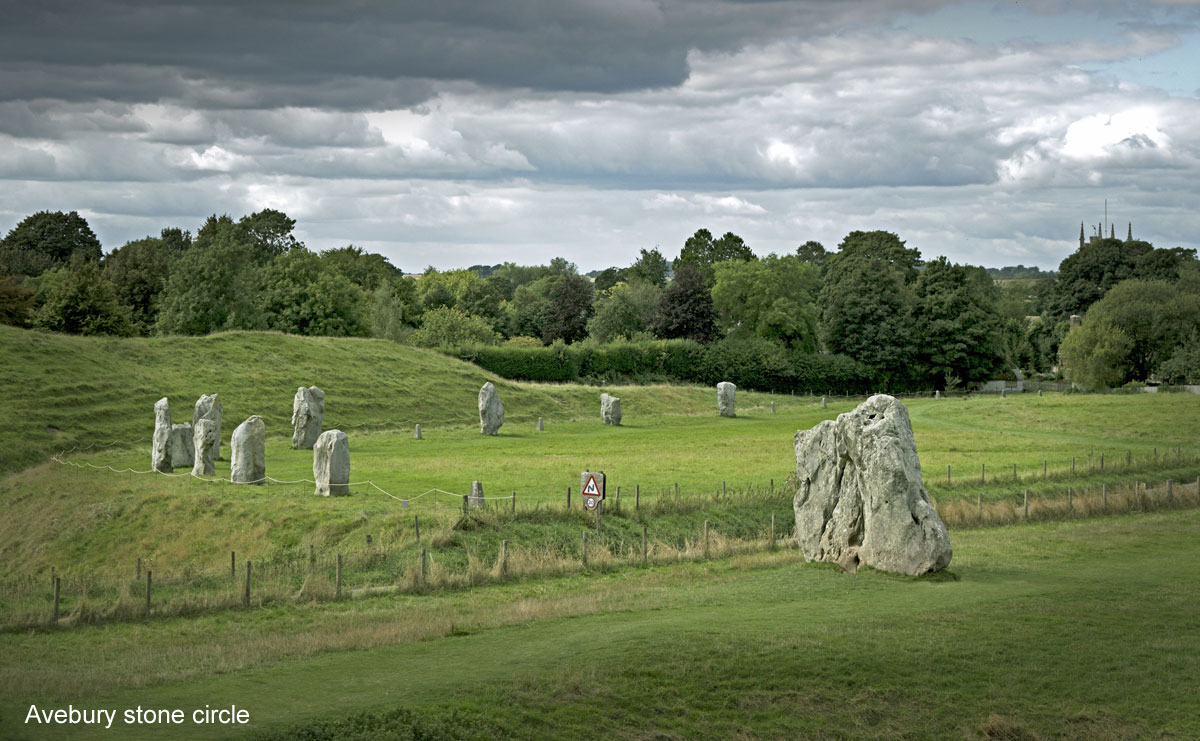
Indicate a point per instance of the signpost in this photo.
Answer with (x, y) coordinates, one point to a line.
(591, 488)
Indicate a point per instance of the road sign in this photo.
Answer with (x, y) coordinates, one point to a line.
(591, 487)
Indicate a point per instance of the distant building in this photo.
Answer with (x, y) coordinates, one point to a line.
(1098, 233)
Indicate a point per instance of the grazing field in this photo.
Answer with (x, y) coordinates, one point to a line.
(525, 618)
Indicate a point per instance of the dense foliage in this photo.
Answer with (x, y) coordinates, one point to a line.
(871, 315)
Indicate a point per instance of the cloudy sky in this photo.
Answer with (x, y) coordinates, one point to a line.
(458, 132)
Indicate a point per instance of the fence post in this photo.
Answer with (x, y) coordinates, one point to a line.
(983, 473)
(1102, 461)
(337, 579)
(503, 558)
(1070, 497)
(772, 485)
(57, 587)
(246, 596)
(233, 564)
(947, 475)
(568, 497)
(1014, 472)
(979, 499)
(464, 496)
(514, 503)
(772, 541)
(149, 580)
(637, 497)
(676, 489)
(585, 549)
(1072, 464)
(1045, 467)
(1026, 504)
(644, 544)
(422, 567)
(722, 487)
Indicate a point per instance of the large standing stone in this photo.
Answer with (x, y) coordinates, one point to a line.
(160, 446)
(209, 407)
(541, 426)
(183, 454)
(248, 452)
(610, 409)
(308, 411)
(937, 395)
(203, 434)
(475, 499)
(331, 463)
(861, 498)
(824, 405)
(725, 394)
(491, 411)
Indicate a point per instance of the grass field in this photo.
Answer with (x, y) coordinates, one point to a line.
(1052, 630)
(477, 646)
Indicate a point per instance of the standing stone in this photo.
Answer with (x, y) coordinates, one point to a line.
(823, 404)
(772, 407)
(183, 454)
(725, 394)
(610, 409)
(203, 434)
(541, 427)
(308, 411)
(331, 463)
(417, 433)
(1039, 393)
(248, 452)
(475, 499)
(937, 395)
(861, 498)
(1003, 394)
(491, 411)
(209, 407)
(160, 447)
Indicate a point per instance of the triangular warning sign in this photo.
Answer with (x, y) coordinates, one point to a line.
(590, 488)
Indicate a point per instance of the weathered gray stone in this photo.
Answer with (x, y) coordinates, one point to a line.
(937, 395)
(772, 407)
(1003, 394)
(209, 407)
(1039, 393)
(203, 433)
(248, 452)
(160, 445)
(183, 454)
(860, 487)
(541, 427)
(823, 404)
(610, 409)
(308, 411)
(725, 402)
(331, 463)
(475, 499)
(491, 411)
(417, 433)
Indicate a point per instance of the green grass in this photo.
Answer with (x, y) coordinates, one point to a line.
(1054, 630)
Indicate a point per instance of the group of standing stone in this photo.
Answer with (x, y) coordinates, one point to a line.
(198, 444)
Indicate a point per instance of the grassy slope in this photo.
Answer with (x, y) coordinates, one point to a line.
(1072, 630)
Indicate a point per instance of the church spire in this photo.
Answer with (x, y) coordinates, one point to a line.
(1112, 231)
(1129, 237)
(1081, 235)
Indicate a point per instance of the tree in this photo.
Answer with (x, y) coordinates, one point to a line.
(813, 253)
(395, 310)
(16, 301)
(527, 311)
(1094, 355)
(701, 251)
(1085, 275)
(138, 271)
(269, 233)
(608, 278)
(685, 309)
(770, 298)
(211, 288)
(1153, 315)
(955, 324)
(450, 327)
(1184, 363)
(175, 241)
(569, 310)
(83, 302)
(48, 239)
(365, 269)
(624, 311)
(650, 267)
(298, 296)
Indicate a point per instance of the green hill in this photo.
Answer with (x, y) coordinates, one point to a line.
(62, 391)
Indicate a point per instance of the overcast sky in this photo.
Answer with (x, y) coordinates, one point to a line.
(456, 133)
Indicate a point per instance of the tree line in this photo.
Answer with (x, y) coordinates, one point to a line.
(909, 323)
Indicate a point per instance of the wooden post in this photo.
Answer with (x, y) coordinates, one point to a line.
(1104, 494)
(1070, 497)
(514, 503)
(772, 485)
(57, 587)
(503, 558)
(947, 475)
(149, 581)
(568, 497)
(637, 497)
(1026, 504)
(139, 568)
(983, 473)
(1014, 472)
(464, 504)
(722, 487)
(772, 541)
(1102, 461)
(979, 499)
(676, 489)
(246, 596)
(618, 497)
(422, 567)
(1072, 464)
(233, 564)
(417, 528)
(1045, 467)
(584, 549)
(337, 579)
